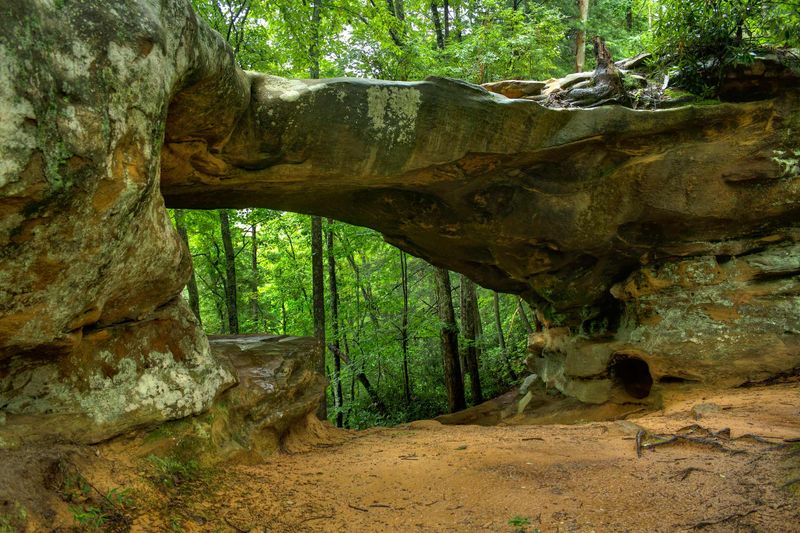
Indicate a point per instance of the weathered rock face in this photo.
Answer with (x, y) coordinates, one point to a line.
(719, 320)
(92, 331)
(556, 204)
(105, 105)
(277, 389)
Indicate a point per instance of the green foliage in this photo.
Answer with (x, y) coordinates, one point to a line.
(88, 516)
(521, 523)
(90, 508)
(15, 520)
(172, 472)
(700, 40)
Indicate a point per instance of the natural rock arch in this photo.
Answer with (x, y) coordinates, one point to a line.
(609, 220)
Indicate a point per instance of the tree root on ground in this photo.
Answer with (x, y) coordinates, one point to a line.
(696, 434)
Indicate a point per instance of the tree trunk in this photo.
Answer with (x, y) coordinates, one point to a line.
(524, 317)
(580, 36)
(231, 299)
(469, 331)
(404, 326)
(500, 338)
(194, 294)
(318, 290)
(449, 342)
(313, 49)
(446, 21)
(283, 316)
(437, 24)
(255, 311)
(400, 9)
(337, 362)
(364, 380)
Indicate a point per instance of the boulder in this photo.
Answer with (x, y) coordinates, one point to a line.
(277, 389)
(277, 386)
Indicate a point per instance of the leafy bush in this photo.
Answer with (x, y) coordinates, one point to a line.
(699, 40)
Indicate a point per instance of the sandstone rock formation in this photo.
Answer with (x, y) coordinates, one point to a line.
(668, 237)
(277, 389)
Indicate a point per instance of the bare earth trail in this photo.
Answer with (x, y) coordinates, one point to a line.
(430, 477)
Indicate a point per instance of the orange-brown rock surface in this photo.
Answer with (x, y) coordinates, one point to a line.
(609, 220)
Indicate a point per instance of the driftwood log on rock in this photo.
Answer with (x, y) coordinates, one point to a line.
(604, 87)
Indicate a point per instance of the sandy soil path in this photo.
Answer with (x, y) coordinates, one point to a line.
(426, 477)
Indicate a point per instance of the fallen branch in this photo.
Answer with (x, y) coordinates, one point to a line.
(234, 526)
(790, 483)
(357, 508)
(672, 439)
(734, 516)
(759, 438)
(686, 471)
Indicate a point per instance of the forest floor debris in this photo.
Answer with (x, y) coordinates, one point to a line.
(737, 469)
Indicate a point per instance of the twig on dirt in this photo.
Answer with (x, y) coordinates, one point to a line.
(671, 439)
(533, 438)
(790, 483)
(431, 503)
(357, 508)
(686, 471)
(629, 413)
(118, 514)
(759, 438)
(382, 505)
(316, 517)
(724, 433)
(734, 516)
(234, 526)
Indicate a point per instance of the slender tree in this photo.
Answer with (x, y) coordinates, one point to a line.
(334, 299)
(437, 24)
(318, 288)
(501, 341)
(470, 318)
(526, 323)
(449, 341)
(404, 326)
(255, 309)
(194, 294)
(580, 36)
(318, 291)
(231, 298)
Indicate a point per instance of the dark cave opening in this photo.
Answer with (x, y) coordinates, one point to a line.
(632, 374)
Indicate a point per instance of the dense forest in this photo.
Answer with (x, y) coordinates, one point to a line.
(404, 339)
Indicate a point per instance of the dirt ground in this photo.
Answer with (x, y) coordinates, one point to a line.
(430, 477)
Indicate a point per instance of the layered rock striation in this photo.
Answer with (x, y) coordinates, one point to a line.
(665, 236)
